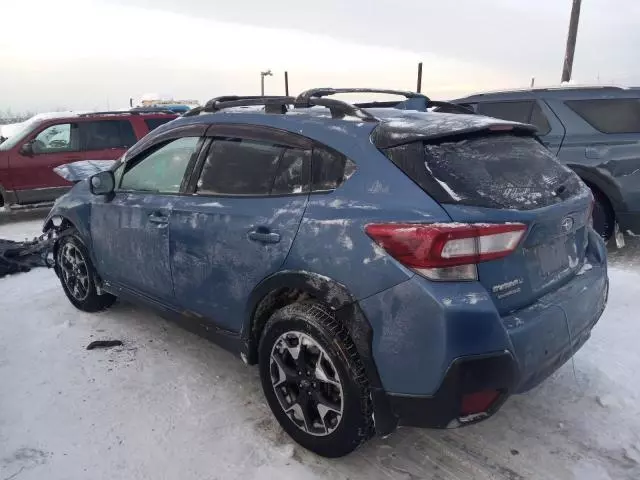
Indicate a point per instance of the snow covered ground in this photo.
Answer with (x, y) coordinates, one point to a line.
(169, 405)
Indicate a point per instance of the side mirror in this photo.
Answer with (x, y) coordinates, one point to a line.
(27, 149)
(103, 183)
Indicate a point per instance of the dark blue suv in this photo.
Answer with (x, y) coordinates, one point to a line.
(593, 130)
(382, 266)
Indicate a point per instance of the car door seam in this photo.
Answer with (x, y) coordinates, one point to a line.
(304, 211)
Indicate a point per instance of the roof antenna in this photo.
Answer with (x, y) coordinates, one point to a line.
(419, 88)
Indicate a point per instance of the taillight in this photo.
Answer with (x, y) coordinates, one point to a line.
(446, 251)
(479, 402)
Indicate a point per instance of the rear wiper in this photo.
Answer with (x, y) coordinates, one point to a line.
(562, 188)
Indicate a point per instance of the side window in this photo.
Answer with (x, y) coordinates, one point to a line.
(293, 172)
(153, 123)
(513, 111)
(329, 169)
(239, 167)
(610, 115)
(106, 134)
(57, 138)
(539, 119)
(163, 169)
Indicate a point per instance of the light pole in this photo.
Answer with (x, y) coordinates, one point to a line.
(262, 75)
(567, 67)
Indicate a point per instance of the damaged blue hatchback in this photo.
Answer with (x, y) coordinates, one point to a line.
(383, 266)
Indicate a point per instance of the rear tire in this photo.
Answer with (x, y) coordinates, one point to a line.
(603, 215)
(78, 276)
(333, 390)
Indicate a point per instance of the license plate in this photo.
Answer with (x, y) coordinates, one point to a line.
(554, 257)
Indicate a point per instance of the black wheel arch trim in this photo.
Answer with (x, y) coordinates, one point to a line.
(344, 304)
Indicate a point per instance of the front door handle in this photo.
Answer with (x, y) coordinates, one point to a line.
(158, 219)
(264, 236)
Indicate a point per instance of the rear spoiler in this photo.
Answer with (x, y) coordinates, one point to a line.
(401, 131)
(78, 171)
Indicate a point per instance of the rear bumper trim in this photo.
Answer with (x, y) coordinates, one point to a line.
(496, 371)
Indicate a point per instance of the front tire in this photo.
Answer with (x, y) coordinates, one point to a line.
(314, 380)
(77, 275)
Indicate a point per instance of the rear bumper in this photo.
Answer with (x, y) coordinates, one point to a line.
(465, 375)
(539, 349)
(547, 334)
(431, 353)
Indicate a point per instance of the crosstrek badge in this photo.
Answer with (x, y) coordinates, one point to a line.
(502, 287)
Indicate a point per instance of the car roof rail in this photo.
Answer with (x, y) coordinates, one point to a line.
(145, 110)
(325, 92)
(275, 104)
(127, 112)
(423, 102)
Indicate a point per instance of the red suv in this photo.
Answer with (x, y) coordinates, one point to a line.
(28, 157)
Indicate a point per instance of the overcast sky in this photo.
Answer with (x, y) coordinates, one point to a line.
(84, 54)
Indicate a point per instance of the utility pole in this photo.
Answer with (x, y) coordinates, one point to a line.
(419, 87)
(286, 84)
(571, 41)
(266, 73)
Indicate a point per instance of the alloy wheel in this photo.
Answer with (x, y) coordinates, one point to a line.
(75, 273)
(306, 383)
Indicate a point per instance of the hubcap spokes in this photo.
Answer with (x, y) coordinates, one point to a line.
(306, 383)
(75, 273)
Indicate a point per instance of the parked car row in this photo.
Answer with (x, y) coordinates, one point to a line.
(383, 265)
(593, 130)
(28, 157)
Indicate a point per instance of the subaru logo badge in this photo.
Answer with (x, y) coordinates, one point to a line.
(567, 224)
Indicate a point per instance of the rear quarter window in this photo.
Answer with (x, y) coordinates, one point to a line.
(609, 115)
(494, 171)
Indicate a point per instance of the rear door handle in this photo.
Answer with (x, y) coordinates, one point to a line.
(264, 236)
(158, 219)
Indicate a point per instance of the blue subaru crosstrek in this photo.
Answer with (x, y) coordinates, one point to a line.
(382, 266)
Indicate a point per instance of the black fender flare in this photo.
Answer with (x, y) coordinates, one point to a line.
(603, 182)
(339, 298)
(322, 288)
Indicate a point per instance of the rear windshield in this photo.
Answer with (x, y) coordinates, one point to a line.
(496, 171)
(609, 115)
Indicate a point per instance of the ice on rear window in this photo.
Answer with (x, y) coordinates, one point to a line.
(494, 171)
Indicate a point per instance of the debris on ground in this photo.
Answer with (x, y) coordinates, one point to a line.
(104, 344)
(18, 257)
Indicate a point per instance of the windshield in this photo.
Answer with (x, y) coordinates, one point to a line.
(23, 129)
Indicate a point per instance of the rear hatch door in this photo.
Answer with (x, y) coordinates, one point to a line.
(501, 177)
